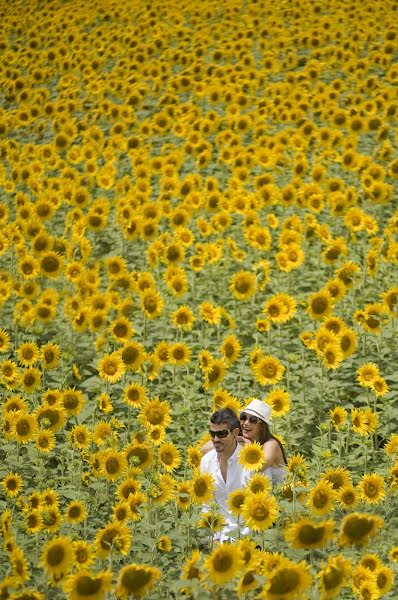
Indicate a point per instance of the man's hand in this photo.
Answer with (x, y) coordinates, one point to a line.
(242, 440)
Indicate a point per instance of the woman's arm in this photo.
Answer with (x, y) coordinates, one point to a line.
(207, 447)
(272, 454)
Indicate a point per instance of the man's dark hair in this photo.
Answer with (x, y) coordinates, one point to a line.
(227, 416)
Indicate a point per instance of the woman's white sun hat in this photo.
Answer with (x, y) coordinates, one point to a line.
(259, 409)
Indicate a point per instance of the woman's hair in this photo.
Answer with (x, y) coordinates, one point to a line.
(266, 435)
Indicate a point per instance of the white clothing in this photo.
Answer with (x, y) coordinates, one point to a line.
(222, 489)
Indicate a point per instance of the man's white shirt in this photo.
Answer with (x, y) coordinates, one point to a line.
(222, 490)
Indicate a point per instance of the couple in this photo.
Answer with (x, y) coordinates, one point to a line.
(220, 458)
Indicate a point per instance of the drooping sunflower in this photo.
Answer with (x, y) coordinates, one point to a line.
(371, 488)
(202, 487)
(268, 370)
(57, 556)
(251, 456)
(111, 367)
(357, 528)
(139, 456)
(338, 417)
(151, 304)
(305, 533)
(85, 585)
(136, 580)
(169, 456)
(20, 565)
(223, 564)
(243, 285)
(260, 511)
(287, 581)
(333, 576)
(4, 341)
(215, 373)
(211, 521)
(337, 477)
(112, 537)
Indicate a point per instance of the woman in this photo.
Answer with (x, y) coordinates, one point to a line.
(255, 422)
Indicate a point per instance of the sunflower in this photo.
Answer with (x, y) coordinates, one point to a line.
(73, 401)
(45, 440)
(151, 304)
(33, 521)
(12, 484)
(297, 465)
(194, 456)
(230, 349)
(357, 528)
(247, 582)
(113, 464)
(121, 512)
(211, 521)
(164, 543)
(51, 264)
(223, 564)
(57, 556)
(286, 581)
(332, 355)
(127, 487)
(259, 511)
(279, 400)
(251, 456)
(268, 370)
(113, 536)
(155, 413)
(85, 585)
(179, 354)
(183, 495)
(215, 373)
(4, 341)
(75, 512)
(371, 488)
(169, 456)
(183, 318)
(243, 285)
(280, 308)
(210, 313)
(391, 447)
(236, 500)
(348, 341)
(337, 477)
(307, 534)
(31, 379)
(134, 395)
(156, 435)
(133, 355)
(333, 576)
(136, 580)
(20, 565)
(258, 483)
(121, 329)
(50, 356)
(202, 487)
(139, 456)
(321, 498)
(384, 579)
(24, 427)
(379, 387)
(28, 354)
(111, 367)
(320, 305)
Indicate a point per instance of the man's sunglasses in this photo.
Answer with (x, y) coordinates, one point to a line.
(244, 417)
(220, 434)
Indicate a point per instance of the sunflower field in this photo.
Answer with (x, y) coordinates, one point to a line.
(197, 207)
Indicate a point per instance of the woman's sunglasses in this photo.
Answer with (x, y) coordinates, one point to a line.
(220, 434)
(244, 417)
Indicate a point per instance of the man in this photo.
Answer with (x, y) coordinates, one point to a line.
(222, 463)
